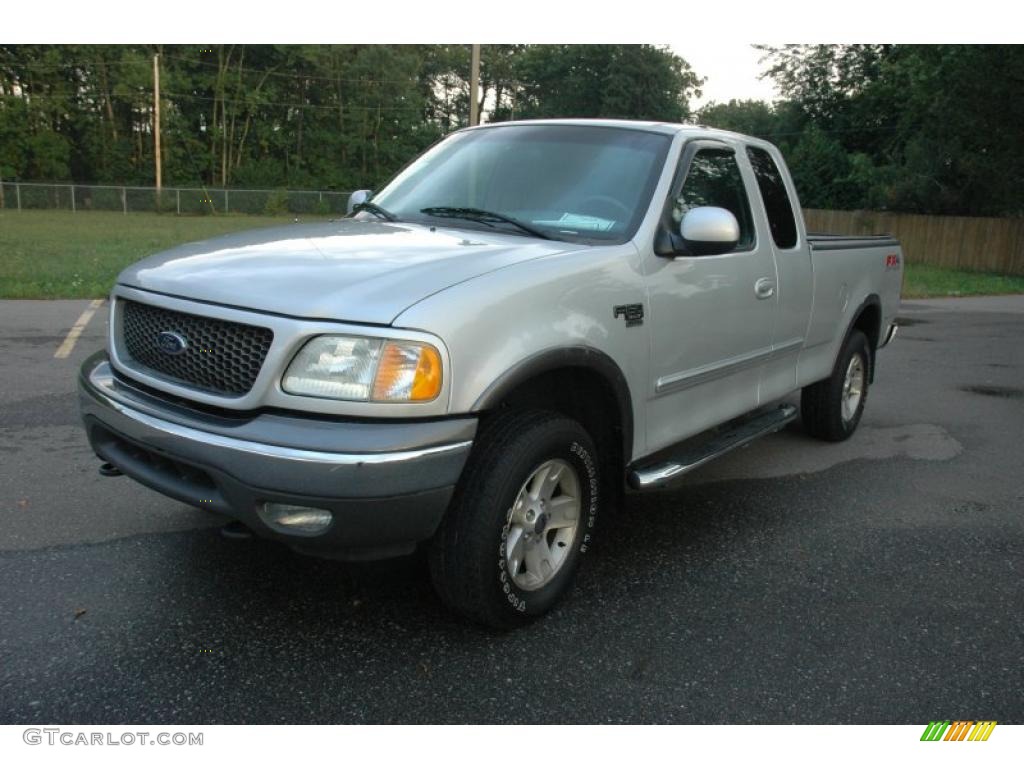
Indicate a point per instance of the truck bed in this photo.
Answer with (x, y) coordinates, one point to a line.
(820, 241)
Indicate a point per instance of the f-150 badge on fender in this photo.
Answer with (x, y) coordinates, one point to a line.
(633, 314)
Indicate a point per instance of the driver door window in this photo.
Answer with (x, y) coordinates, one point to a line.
(714, 179)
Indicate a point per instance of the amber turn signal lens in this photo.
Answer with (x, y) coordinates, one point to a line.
(407, 371)
(426, 384)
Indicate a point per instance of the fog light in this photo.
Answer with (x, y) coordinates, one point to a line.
(299, 521)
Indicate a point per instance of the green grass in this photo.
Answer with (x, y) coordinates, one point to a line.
(64, 255)
(921, 281)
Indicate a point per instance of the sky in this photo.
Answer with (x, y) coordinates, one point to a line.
(731, 70)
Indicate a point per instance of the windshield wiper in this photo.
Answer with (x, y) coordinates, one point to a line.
(376, 210)
(479, 214)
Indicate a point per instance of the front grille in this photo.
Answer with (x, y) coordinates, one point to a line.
(220, 356)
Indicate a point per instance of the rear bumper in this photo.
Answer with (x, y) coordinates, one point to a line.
(387, 484)
(890, 334)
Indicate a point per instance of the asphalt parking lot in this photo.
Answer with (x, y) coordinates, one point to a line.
(876, 581)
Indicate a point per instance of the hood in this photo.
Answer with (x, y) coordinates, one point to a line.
(351, 270)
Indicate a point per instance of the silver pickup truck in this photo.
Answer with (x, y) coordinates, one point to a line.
(529, 321)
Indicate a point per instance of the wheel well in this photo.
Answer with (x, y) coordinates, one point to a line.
(584, 395)
(869, 322)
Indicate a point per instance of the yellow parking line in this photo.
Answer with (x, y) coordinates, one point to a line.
(76, 330)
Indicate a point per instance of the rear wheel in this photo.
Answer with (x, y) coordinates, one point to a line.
(523, 514)
(831, 409)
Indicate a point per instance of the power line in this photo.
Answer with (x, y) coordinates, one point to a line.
(37, 67)
(295, 76)
(231, 68)
(79, 98)
(830, 131)
(144, 94)
(290, 105)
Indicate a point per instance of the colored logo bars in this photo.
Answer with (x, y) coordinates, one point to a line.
(958, 730)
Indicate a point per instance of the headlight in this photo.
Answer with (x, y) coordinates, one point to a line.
(358, 368)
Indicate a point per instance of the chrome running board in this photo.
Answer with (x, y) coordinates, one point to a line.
(664, 474)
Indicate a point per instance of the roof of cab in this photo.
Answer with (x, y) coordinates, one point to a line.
(691, 129)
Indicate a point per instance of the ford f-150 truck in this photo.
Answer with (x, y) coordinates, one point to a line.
(528, 322)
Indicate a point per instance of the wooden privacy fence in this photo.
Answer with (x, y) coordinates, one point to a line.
(960, 242)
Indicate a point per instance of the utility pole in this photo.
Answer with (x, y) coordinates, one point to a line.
(474, 87)
(156, 121)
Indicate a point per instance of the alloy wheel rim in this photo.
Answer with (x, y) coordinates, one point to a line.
(853, 388)
(542, 524)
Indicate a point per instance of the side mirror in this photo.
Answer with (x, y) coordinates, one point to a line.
(707, 231)
(357, 197)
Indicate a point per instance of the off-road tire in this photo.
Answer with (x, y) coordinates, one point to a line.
(821, 403)
(468, 564)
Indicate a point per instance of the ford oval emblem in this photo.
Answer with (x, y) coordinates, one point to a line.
(171, 343)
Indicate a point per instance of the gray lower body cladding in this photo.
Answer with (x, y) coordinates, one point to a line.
(387, 484)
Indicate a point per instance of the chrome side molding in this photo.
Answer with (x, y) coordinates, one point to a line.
(702, 375)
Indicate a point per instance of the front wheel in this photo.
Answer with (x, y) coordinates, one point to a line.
(831, 409)
(522, 516)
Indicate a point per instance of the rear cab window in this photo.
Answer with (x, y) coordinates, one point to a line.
(776, 200)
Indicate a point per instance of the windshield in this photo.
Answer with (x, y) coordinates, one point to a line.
(569, 182)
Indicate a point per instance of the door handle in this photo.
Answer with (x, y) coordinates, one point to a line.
(764, 288)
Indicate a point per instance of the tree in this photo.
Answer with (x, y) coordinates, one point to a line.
(753, 118)
(343, 116)
(926, 128)
(819, 165)
(639, 82)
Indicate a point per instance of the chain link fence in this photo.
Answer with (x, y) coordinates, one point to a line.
(22, 196)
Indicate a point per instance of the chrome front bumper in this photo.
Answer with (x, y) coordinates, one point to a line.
(386, 483)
